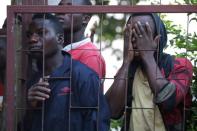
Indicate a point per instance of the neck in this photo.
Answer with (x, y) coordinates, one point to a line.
(53, 62)
(77, 36)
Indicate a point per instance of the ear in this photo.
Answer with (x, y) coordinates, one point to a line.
(86, 19)
(60, 39)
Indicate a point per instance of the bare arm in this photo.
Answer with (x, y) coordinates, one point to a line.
(155, 78)
(116, 94)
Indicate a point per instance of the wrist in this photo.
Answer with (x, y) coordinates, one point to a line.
(147, 57)
(148, 60)
(127, 61)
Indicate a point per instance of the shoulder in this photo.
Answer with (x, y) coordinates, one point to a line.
(182, 66)
(182, 63)
(89, 49)
(81, 70)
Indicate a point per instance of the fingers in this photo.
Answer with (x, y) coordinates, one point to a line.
(128, 47)
(135, 34)
(139, 29)
(149, 31)
(127, 36)
(39, 91)
(128, 31)
(43, 84)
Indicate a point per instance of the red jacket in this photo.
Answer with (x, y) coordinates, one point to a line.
(174, 108)
(87, 53)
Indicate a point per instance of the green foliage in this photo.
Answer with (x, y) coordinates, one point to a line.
(191, 2)
(116, 124)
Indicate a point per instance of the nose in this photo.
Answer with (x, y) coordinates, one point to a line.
(33, 38)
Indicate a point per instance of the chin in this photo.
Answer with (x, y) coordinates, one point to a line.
(36, 55)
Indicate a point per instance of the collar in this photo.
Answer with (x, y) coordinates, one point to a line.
(64, 69)
(76, 44)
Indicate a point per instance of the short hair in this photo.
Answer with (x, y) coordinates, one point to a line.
(54, 21)
(87, 2)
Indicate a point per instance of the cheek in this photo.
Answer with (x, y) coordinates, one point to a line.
(77, 19)
(49, 43)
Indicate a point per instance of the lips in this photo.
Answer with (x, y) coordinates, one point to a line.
(35, 48)
(61, 20)
(64, 18)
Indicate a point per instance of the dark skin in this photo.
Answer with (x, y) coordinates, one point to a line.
(74, 24)
(52, 52)
(142, 49)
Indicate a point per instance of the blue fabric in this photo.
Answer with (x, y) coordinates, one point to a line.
(84, 91)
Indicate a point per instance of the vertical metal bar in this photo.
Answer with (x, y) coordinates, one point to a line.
(157, 62)
(43, 71)
(101, 30)
(187, 45)
(127, 80)
(10, 71)
(71, 63)
(126, 106)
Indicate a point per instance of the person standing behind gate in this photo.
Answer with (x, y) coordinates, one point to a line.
(158, 84)
(70, 91)
(76, 44)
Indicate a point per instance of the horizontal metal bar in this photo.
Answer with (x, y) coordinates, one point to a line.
(139, 108)
(41, 50)
(78, 107)
(115, 78)
(104, 9)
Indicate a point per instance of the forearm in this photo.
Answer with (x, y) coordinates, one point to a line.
(116, 94)
(154, 75)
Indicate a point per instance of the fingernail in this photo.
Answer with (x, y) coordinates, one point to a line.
(147, 23)
(139, 22)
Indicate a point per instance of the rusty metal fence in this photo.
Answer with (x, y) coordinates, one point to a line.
(13, 62)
